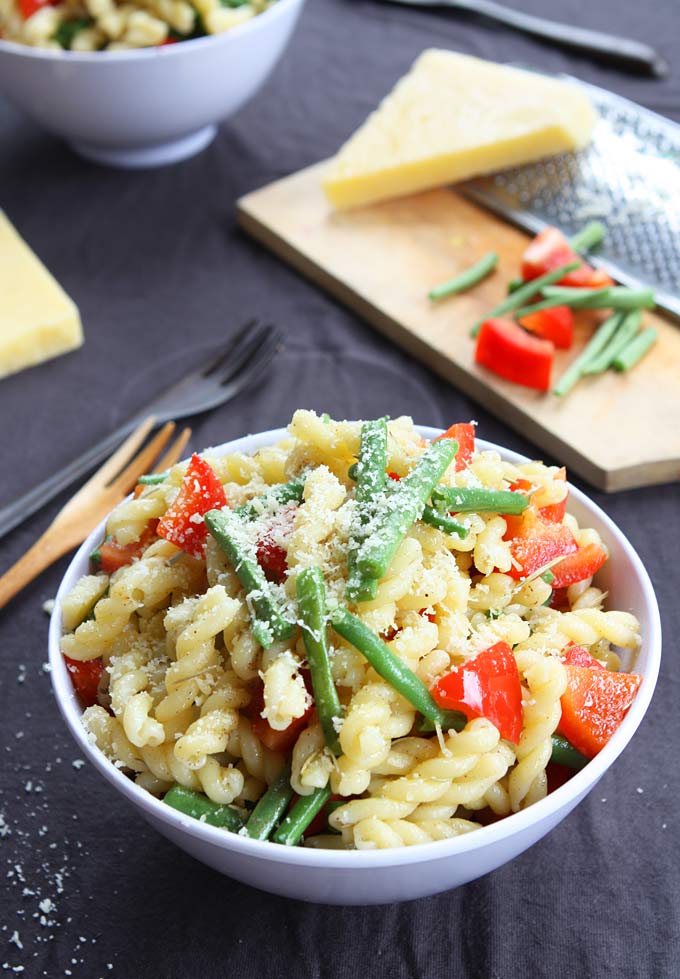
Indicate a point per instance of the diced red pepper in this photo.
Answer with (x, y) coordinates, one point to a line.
(593, 706)
(486, 686)
(115, 556)
(579, 566)
(30, 7)
(549, 250)
(183, 524)
(464, 434)
(535, 543)
(559, 600)
(556, 324)
(553, 513)
(579, 656)
(557, 775)
(271, 553)
(85, 677)
(509, 351)
(395, 476)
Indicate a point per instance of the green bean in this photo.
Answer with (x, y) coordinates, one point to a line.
(471, 499)
(152, 479)
(198, 806)
(548, 577)
(628, 327)
(451, 720)
(403, 507)
(614, 297)
(525, 293)
(298, 819)
(352, 471)
(636, 349)
(267, 618)
(574, 302)
(385, 663)
(270, 807)
(564, 753)
(95, 558)
(68, 29)
(467, 279)
(370, 483)
(588, 237)
(515, 284)
(443, 522)
(284, 493)
(311, 596)
(597, 342)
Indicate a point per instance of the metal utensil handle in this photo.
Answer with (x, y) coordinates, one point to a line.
(18, 510)
(608, 47)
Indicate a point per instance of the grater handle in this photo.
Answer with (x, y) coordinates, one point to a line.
(622, 51)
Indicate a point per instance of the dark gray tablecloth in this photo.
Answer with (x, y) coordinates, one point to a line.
(159, 270)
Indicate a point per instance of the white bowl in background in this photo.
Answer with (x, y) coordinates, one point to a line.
(386, 876)
(146, 107)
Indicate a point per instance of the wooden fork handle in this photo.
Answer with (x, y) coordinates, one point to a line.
(41, 555)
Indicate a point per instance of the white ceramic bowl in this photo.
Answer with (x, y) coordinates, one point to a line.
(386, 876)
(151, 106)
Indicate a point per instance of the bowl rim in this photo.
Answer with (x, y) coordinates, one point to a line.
(277, 9)
(564, 798)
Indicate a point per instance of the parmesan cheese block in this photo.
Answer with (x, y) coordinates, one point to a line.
(453, 117)
(37, 318)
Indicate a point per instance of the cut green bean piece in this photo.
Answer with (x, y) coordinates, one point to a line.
(284, 493)
(588, 237)
(298, 819)
(597, 342)
(471, 499)
(270, 807)
(564, 753)
(635, 350)
(370, 483)
(198, 806)
(614, 297)
(573, 302)
(267, 618)
(402, 507)
(548, 577)
(628, 327)
(451, 720)
(524, 293)
(467, 279)
(443, 522)
(68, 29)
(311, 596)
(385, 663)
(515, 284)
(152, 479)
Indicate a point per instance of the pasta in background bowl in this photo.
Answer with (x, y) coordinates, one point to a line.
(367, 874)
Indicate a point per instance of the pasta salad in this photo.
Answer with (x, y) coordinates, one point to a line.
(110, 25)
(355, 638)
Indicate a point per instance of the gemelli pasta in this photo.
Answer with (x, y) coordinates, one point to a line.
(355, 638)
(109, 25)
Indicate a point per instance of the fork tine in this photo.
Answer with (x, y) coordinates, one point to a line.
(143, 460)
(255, 365)
(174, 453)
(258, 340)
(122, 455)
(234, 340)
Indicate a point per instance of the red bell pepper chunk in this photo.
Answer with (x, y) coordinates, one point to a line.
(464, 434)
(486, 686)
(271, 553)
(115, 556)
(579, 566)
(509, 351)
(85, 677)
(534, 543)
(593, 706)
(549, 250)
(556, 324)
(579, 656)
(183, 524)
(553, 513)
(30, 7)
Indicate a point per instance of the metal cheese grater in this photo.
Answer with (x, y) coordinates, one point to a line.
(628, 178)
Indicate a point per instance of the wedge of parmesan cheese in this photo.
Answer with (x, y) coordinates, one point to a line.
(37, 318)
(453, 117)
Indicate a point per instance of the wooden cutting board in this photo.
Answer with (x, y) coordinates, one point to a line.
(616, 430)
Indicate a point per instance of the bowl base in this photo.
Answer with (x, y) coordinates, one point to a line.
(155, 155)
